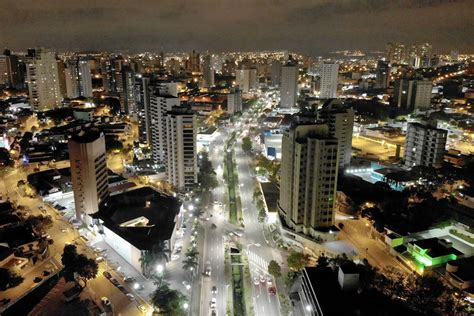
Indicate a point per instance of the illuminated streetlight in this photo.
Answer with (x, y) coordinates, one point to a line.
(308, 308)
(185, 305)
(159, 268)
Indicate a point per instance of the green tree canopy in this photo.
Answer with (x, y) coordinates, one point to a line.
(168, 301)
(207, 176)
(274, 268)
(247, 144)
(297, 261)
(9, 279)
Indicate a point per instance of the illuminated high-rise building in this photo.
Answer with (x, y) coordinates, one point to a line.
(78, 79)
(309, 167)
(289, 84)
(329, 79)
(208, 72)
(43, 79)
(425, 145)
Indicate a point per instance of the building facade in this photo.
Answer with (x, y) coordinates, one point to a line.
(234, 101)
(309, 163)
(289, 83)
(329, 75)
(181, 134)
(78, 79)
(89, 176)
(412, 94)
(425, 145)
(43, 79)
(340, 119)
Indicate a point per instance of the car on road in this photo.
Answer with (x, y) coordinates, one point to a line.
(105, 301)
(272, 290)
(239, 234)
(107, 274)
(256, 281)
(46, 273)
(142, 309)
(269, 281)
(130, 297)
(114, 282)
(187, 285)
(128, 279)
(207, 271)
(263, 279)
(214, 290)
(38, 279)
(174, 257)
(99, 259)
(213, 303)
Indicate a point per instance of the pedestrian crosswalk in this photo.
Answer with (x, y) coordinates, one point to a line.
(258, 261)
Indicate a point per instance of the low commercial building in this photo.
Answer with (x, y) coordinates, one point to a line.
(460, 273)
(431, 252)
(134, 221)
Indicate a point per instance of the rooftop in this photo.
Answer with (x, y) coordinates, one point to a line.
(141, 216)
(271, 194)
(465, 268)
(435, 248)
(87, 136)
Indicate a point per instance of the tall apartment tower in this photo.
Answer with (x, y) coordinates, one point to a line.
(289, 82)
(78, 79)
(340, 119)
(9, 71)
(412, 94)
(425, 145)
(127, 90)
(275, 73)
(397, 53)
(309, 165)
(234, 101)
(43, 79)
(88, 172)
(208, 72)
(181, 142)
(382, 75)
(163, 97)
(246, 79)
(329, 73)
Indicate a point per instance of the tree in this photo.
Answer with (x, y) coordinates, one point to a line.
(146, 261)
(207, 176)
(160, 252)
(247, 144)
(39, 223)
(274, 268)
(86, 268)
(168, 301)
(190, 264)
(9, 279)
(297, 261)
(5, 159)
(113, 143)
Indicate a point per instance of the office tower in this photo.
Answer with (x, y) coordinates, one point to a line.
(111, 68)
(382, 75)
(412, 94)
(208, 72)
(234, 101)
(246, 79)
(329, 73)
(309, 167)
(425, 145)
(9, 70)
(163, 97)
(78, 79)
(43, 79)
(289, 82)
(181, 148)
(275, 73)
(88, 172)
(397, 53)
(193, 64)
(340, 119)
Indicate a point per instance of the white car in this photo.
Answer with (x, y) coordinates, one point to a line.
(256, 281)
(105, 301)
(174, 257)
(213, 303)
(269, 281)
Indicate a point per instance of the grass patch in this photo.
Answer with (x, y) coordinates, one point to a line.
(232, 183)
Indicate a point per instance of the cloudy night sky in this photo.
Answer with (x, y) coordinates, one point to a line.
(310, 27)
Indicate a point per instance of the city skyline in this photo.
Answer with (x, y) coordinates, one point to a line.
(310, 27)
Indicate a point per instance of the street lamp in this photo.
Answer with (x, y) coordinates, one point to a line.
(308, 308)
(185, 305)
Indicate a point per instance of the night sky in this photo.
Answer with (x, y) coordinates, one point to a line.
(310, 27)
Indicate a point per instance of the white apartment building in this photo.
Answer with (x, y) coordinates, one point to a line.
(288, 86)
(181, 150)
(89, 174)
(43, 80)
(329, 74)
